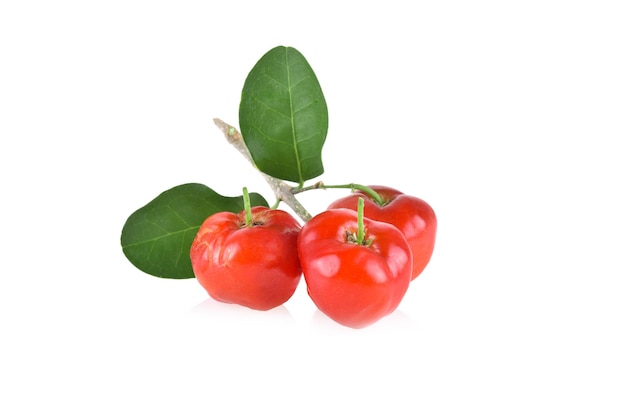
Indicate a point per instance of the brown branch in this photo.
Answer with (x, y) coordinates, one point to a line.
(282, 190)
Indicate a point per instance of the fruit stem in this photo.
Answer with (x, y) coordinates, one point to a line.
(353, 186)
(246, 206)
(360, 237)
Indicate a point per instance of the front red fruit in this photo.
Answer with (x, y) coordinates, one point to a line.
(355, 284)
(254, 265)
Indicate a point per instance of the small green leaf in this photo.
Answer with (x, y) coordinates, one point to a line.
(157, 237)
(283, 116)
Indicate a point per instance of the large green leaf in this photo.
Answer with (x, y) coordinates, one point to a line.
(157, 237)
(283, 116)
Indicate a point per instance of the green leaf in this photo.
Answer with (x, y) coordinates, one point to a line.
(283, 116)
(157, 237)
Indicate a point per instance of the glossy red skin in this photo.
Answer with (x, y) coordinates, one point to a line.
(413, 216)
(352, 284)
(256, 266)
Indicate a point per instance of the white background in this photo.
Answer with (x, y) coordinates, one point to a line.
(507, 117)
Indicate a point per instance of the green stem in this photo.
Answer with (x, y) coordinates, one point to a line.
(360, 235)
(359, 238)
(353, 186)
(246, 206)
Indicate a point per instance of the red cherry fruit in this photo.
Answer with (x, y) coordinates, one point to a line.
(252, 264)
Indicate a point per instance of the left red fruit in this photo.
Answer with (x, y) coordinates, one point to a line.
(252, 264)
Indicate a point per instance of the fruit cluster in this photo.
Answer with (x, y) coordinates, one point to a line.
(357, 257)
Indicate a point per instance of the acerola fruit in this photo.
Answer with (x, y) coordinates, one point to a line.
(354, 283)
(254, 265)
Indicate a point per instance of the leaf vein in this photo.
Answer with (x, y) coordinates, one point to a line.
(268, 107)
(178, 215)
(161, 237)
